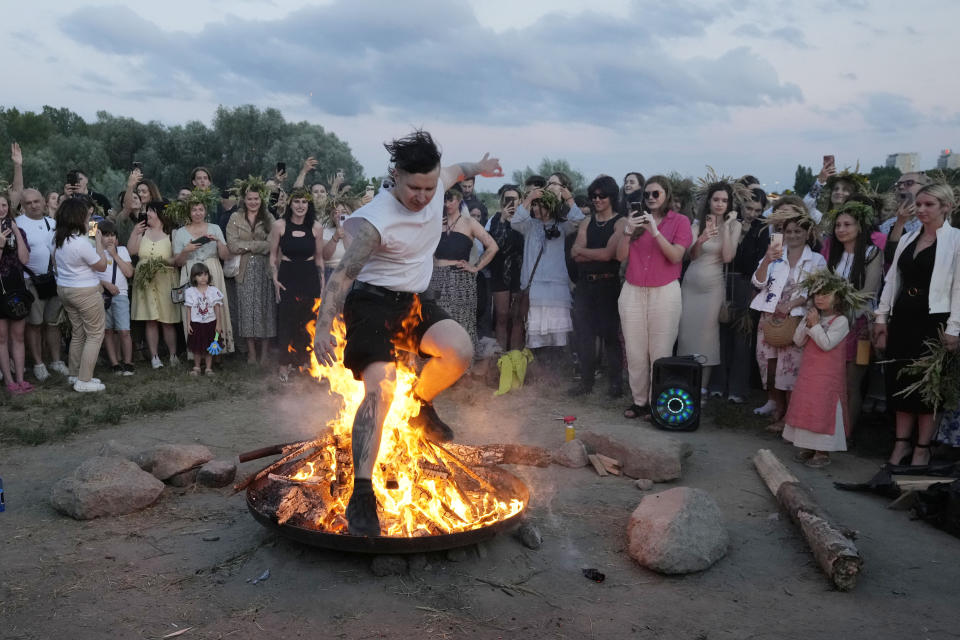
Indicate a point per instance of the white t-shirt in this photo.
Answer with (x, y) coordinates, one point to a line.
(408, 240)
(337, 253)
(202, 305)
(73, 263)
(41, 236)
(121, 280)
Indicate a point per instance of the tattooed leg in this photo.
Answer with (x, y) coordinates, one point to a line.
(379, 381)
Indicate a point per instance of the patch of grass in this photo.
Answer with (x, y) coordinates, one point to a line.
(726, 415)
(111, 414)
(24, 435)
(166, 401)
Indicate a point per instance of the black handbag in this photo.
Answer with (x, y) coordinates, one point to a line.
(45, 284)
(15, 304)
(107, 296)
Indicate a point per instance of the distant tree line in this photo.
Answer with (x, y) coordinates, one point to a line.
(241, 141)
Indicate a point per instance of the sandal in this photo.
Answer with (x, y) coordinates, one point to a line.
(921, 446)
(776, 426)
(905, 458)
(195, 371)
(817, 461)
(635, 411)
(209, 373)
(803, 455)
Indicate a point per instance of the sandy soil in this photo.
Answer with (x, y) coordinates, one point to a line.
(151, 573)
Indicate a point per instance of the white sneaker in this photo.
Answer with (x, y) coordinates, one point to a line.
(174, 361)
(72, 380)
(93, 385)
(40, 372)
(716, 394)
(735, 399)
(766, 409)
(155, 362)
(60, 367)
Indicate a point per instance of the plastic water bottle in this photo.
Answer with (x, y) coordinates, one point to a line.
(569, 432)
(2, 507)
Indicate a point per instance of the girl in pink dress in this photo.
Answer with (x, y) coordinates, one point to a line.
(817, 419)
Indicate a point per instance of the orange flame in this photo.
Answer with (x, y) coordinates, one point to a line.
(423, 497)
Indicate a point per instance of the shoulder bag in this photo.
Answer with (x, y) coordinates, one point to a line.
(15, 303)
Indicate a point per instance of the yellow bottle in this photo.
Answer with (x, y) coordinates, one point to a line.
(569, 431)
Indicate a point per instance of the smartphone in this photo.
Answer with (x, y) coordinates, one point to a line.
(636, 207)
(342, 218)
(73, 179)
(92, 228)
(281, 167)
(340, 173)
(138, 166)
(201, 240)
(371, 188)
(776, 240)
(828, 161)
(142, 218)
(906, 197)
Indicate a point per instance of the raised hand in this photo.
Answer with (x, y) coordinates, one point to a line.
(490, 167)
(16, 155)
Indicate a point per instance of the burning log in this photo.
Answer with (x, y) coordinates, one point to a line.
(489, 455)
(294, 502)
(461, 466)
(296, 451)
(432, 470)
(835, 553)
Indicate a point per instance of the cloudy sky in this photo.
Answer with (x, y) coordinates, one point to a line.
(752, 86)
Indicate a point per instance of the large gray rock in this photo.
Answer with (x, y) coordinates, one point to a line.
(679, 530)
(217, 473)
(114, 449)
(167, 460)
(647, 453)
(572, 454)
(105, 486)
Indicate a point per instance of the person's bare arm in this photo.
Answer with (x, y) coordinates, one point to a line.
(487, 167)
(363, 244)
(125, 267)
(308, 165)
(490, 246)
(16, 187)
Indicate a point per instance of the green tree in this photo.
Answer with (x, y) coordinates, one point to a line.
(547, 167)
(882, 179)
(803, 180)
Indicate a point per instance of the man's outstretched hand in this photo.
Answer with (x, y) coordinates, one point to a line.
(490, 167)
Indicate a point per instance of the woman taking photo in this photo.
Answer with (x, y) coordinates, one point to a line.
(505, 271)
(655, 240)
(920, 298)
(544, 270)
(153, 279)
(853, 256)
(296, 262)
(248, 235)
(78, 285)
(789, 259)
(202, 241)
(334, 238)
(454, 280)
(14, 255)
(703, 288)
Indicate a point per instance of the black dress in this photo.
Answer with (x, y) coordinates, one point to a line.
(911, 324)
(299, 276)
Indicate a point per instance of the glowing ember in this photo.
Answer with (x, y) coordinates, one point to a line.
(421, 488)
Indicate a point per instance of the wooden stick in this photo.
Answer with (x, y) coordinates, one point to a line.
(307, 447)
(835, 552)
(595, 461)
(489, 488)
(490, 455)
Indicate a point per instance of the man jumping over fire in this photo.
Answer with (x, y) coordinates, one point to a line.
(378, 285)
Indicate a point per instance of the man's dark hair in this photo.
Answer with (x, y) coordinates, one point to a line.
(748, 180)
(606, 186)
(73, 176)
(760, 196)
(535, 181)
(507, 187)
(107, 228)
(415, 153)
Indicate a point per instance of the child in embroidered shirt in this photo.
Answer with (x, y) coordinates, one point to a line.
(817, 420)
(205, 302)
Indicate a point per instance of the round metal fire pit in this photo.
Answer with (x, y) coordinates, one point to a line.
(508, 485)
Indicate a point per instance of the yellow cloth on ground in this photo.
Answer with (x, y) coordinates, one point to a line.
(505, 365)
(513, 370)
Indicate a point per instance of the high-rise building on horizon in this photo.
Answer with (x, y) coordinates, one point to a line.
(948, 160)
(905, 162)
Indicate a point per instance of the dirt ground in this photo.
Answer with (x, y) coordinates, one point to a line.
(152, 573)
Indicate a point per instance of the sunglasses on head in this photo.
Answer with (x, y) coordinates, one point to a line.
(651, 195)
(598, 196)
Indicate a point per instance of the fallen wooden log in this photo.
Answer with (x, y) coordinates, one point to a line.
(310, 446)
(489, 455)
(597, 465)
(834, 551)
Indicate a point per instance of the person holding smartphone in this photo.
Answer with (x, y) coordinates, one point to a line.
(202, 241)
(334, 237)
(905, 221)
(14, 255)
(654, 239)
(505, 271)
(789, 259)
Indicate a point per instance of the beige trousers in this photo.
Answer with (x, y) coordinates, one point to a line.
(650, 319)
(84, 307)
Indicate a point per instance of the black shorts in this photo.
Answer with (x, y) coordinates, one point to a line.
(374, 318)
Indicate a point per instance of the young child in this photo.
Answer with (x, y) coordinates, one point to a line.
(205, 302)
(114, 283)
(817, 420)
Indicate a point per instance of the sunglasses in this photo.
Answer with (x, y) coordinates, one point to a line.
(598, 196)
(651, 195)
(906, 184)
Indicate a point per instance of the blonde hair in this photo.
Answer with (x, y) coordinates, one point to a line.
(944, 193)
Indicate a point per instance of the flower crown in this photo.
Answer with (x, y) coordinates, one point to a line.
(863, 213)
(824, 281)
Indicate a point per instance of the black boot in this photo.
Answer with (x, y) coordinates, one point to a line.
(430, 423)
(361, 514)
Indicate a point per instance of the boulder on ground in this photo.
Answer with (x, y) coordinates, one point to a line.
(644, 484)
(114, 449)
(184, 478)
(167, 460)
(572, 454)
(217, 473)
(648, 453)
(105, 486)
(679, 530)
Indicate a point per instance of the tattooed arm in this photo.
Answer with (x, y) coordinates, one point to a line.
(364, 243)
(487, 167)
